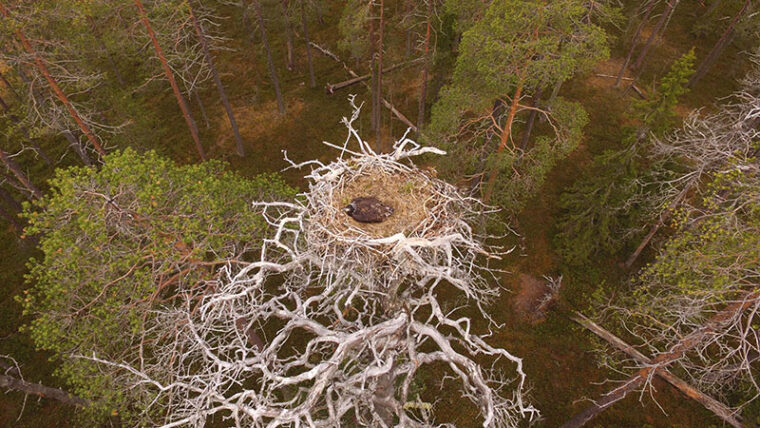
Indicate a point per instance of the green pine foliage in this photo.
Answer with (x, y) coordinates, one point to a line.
(116, 242)
(515, 44)
(608, 207)
(658, 112)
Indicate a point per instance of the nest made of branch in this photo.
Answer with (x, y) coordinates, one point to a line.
(414, 195)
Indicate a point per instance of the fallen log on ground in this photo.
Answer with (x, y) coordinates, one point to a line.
(719, 409)
(385, 102)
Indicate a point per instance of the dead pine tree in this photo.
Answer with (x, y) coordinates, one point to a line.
(270, 61)
(218, 82)
(169, 75)
(42, 67)
(634, 41)
(658, 29)
(721, 44)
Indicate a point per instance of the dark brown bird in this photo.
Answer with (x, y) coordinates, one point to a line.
(368, 210)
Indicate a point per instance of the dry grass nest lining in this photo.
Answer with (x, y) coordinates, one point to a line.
(410, 193)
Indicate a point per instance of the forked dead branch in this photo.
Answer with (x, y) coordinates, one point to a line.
(344, 322)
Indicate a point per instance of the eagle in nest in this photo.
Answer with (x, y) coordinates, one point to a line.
(368, 210)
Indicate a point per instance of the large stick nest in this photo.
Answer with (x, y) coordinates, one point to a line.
(428, 231)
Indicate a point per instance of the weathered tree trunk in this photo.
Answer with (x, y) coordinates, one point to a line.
(10, 382)
(385, 102)
(664, 216)
(639, 63)
(724, 41)
(15, 169)
(634, 41)
(312, 80)
(288, 36)
(425, 68)
(54, 85)
(719, 409)
(77, 147)
(531, 119)
(218, 82)
(169, 75)
(25, 132)
(663, 360)
(330, 88)
(272, 71)
(378, 139)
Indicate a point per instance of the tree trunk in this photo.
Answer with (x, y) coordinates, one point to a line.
(661, 361)
(272, 71)
(425, 69)
(10, 382)
(218, 82)
(54, 85)
(655, 31)
(25, 132)
(378, 139)
(201, 107)
(719, 409)
(373, 69)
(724, 40)
(77, 147)
(312, 80)
(14, 168)
(288, 36)
(385, 102)
(506, 135)
(330, 88)
(634, 41)
(169, 75)
(531, 119)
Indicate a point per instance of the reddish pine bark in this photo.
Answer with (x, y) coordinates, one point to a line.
(169, 75)
(54, 85)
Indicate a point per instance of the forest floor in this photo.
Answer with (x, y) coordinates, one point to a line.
(561, 367)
